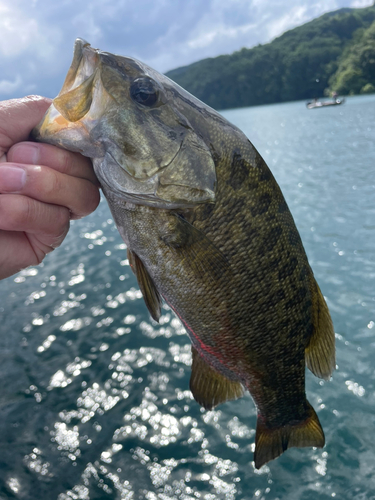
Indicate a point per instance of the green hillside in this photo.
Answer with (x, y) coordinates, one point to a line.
(333, 52)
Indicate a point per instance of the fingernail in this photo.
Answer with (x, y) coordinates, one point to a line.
(12, 179)
(25, 153)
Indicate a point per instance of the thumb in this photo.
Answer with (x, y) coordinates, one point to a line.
(18, 117)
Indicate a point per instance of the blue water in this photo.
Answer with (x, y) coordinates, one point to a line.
(94, 399)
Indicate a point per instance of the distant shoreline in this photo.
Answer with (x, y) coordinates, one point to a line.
(334, 52)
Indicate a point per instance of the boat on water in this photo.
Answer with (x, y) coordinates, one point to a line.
(322, 104)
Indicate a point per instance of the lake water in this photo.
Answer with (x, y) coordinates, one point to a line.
(94, 399)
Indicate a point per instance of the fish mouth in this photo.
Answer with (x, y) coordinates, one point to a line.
(85, 62)
(75, 97)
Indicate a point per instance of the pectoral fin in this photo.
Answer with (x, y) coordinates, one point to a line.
(150, 294)
(194, 248)
(209, 387)
(320, 352)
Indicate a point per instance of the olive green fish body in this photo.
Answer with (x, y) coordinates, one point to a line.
(247, 305)
(207, 229)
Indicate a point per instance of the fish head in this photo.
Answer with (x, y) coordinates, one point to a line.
(130, 120)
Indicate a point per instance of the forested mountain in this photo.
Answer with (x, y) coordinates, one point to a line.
(335, 52)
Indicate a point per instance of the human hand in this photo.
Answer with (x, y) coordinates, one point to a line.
(42, 187)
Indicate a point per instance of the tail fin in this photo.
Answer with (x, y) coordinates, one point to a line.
(270, 443)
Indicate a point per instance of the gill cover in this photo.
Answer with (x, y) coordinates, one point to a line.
(144, 149)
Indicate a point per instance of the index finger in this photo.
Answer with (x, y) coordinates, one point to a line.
(18, 117)
(66, 162)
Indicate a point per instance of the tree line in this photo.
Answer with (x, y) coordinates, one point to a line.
(335, 52)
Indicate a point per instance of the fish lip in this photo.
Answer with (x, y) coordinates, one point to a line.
(82, 52)
(85, 58)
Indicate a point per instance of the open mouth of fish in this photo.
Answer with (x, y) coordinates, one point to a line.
(74, 101)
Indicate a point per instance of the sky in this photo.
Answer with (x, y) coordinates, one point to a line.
(37, 36)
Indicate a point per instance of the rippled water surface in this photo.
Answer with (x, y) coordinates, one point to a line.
(94, 399)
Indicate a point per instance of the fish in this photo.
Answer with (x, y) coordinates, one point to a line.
(209, 232)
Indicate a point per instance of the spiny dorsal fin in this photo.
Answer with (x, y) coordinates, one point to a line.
(150, 294)
(270, 443)
(320, 352)
(195, 248)
(209, 387)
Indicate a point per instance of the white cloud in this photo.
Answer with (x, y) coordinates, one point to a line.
(8, 87)
(361, 3)
(19, 33)
(86, 25)
(37, 36)
(208, 38)
(14, 31)
(295, 17)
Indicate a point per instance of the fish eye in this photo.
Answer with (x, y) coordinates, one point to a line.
(143, 91)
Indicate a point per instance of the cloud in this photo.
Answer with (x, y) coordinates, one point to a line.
(297, 16)
(9, 87)
(361, 3)
(220, 32)
(21, 33)
(38, 35)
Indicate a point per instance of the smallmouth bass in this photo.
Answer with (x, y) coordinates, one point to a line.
(208, 230)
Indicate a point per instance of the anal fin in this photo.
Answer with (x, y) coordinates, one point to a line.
(320, 352)
(209, 387)
(270, 443)
(150, 294)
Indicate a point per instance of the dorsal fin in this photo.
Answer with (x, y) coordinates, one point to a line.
(150, 294)
(320, 352)
(209, 387)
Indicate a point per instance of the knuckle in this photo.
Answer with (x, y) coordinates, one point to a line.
(53, 185)
(66, 161)
(16, 211)
(56, 184)
(46, 184)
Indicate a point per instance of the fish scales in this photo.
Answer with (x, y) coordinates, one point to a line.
(252, 297)
(207, 228)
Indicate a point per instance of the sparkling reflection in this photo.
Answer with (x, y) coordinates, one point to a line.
(355, 388)
(95, 399)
